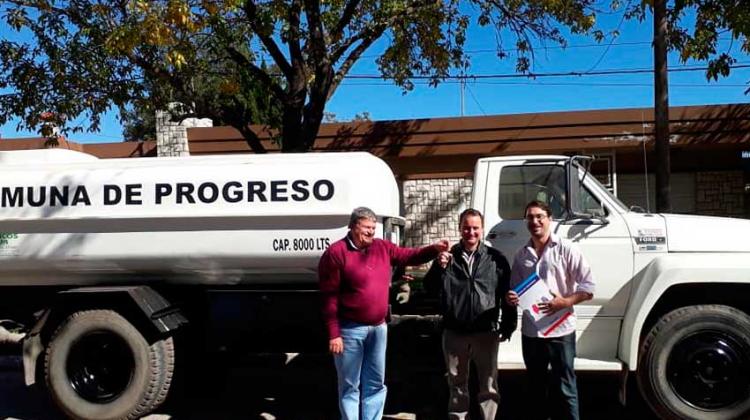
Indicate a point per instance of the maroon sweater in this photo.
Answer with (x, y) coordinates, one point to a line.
(354, 283)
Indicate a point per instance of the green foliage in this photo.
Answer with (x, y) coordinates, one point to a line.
(696, 26)
(139, 124)
(85, 57)
(330, 117)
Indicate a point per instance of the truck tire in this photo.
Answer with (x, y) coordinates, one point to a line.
(99, 366)
(695, 364)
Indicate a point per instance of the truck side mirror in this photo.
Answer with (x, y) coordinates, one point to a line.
(573, 188)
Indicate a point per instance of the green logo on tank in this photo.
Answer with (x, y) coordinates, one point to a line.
(6, 238)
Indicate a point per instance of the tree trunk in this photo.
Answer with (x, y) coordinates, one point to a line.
(310, 127)
(313, 113)
(292, 135)
(292, 140)
(251, 138)
(661, 108)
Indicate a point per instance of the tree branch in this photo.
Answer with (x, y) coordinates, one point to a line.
(295, 51)
(378, 27)
(264, 77)
(312, 11)
(351, 59)
(278, 57)
(313, 111)
(363, 34)
(346, 18)
(251, 138)
(154, 71)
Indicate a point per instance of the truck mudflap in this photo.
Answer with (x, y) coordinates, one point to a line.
(32, 348)
(162, 314)
(159, 312)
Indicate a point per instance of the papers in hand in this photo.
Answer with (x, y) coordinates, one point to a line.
(533, 291)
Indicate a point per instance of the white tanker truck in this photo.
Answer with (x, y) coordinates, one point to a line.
(106, 260)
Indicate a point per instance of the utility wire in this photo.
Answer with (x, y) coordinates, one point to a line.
(592, 84)
(538, 47)
(550, 74)
(624, 84)
(494, 50)
(606, 50)
(475, 99)
(544, 47)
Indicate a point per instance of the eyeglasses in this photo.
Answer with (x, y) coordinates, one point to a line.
(537, 217)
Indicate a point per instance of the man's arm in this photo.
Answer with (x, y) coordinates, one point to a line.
(508, 313)
(415, 256)
(578, 269)
(329, 276)
(562, 302)
(433, 280)
(516, 276)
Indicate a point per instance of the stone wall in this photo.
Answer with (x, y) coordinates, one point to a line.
(431, 208)
(171, 137)
(720, 193)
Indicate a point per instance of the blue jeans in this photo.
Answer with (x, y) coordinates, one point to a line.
(559, 381)
(362, 364)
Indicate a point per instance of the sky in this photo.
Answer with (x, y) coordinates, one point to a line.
(515, 95)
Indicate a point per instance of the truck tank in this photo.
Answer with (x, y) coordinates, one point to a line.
(69, 218)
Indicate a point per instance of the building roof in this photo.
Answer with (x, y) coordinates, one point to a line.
(505, 134)
(450, 146)
(101, 150)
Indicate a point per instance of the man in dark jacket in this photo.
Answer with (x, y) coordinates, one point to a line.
(472, 279)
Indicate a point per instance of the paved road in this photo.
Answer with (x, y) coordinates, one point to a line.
(304, 388)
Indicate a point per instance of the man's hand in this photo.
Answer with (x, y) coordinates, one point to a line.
(336, 345)
(504, 337)
(512, 298)
(404, 292)
(444, 258)
(442, 245)
(555, 304)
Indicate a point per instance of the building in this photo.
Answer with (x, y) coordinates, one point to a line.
(433, 159)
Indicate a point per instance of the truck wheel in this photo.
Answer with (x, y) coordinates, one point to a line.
(695, 364)
(98, 366)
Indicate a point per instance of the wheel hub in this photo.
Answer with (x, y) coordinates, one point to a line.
(709, 370)
(100, 366)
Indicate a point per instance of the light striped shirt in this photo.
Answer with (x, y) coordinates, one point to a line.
(468, 257)
(565, 271)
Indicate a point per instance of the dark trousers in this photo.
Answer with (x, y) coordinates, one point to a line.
(555, 389)
(459, 350)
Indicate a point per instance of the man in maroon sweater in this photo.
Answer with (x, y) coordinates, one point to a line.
(355, 274)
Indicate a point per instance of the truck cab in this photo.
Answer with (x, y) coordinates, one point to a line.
(654, 273)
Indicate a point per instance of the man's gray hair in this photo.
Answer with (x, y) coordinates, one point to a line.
(361, 213)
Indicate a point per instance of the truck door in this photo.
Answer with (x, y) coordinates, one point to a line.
(605, 242)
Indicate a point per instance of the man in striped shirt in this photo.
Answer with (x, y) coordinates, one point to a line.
(564, 270)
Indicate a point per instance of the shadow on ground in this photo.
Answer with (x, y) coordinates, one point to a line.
(270, 386)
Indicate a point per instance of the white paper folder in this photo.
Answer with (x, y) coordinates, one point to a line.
(533, 291)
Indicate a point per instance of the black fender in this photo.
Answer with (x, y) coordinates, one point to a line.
(154, 315)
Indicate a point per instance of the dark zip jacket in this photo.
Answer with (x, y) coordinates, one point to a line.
(474, 302)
